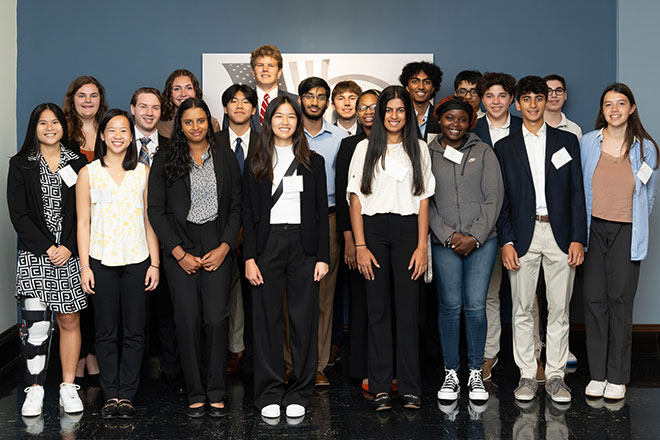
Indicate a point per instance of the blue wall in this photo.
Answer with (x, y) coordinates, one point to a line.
(129, 44)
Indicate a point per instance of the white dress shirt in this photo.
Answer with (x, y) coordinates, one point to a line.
(497, 133)
(151, 146)
(245, 141)
(535, 147)
(272, 94)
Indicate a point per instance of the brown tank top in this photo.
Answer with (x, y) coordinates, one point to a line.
(613, 186)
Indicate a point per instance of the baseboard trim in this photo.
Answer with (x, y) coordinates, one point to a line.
(646, 328)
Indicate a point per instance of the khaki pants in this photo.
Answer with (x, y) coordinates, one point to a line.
(559, 278)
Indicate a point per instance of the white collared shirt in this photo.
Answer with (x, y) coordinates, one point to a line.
(535, 147)
(151, 146)
(272, 94)
(352, 130)
(245, 141)
(287, 208)
(569, 126)
(497, 133)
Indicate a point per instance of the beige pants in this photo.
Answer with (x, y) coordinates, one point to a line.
(559, 278)
(494, 330)
(236, 316)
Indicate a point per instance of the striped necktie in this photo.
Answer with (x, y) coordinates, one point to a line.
(264, 106)
(144, 151)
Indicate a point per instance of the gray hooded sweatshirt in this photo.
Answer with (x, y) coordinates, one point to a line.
(468, 196)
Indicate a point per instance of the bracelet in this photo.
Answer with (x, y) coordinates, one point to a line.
(358, 245)
(156, 267)
(184, 256)
(84, 267)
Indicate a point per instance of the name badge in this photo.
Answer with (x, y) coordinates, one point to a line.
(292, 184)
(561, 158)
(68, 176)
(430, 137)
(101, 196)
(453, 155)
(395, 169)
(644, 173)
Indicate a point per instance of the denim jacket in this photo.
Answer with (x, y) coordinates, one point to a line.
(644, 193)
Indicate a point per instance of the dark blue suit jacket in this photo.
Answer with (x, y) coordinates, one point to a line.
(254, 123)
(481, 128)
(563, 191)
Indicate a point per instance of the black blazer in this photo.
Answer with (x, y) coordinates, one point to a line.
(342, 163)
(222, 141)
(169, 204)
(254, 122)
(481, 128)
(313, 211)
(26, 209)
(564, 192)
(432, 124)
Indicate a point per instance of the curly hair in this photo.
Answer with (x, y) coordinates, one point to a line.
(491, 79)
(431, 70)
(74, 124)
(177, 161)
(267, 50)
(169, 109)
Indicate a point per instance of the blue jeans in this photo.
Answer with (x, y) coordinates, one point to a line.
(462, 283)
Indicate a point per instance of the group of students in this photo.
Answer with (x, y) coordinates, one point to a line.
(254, 219)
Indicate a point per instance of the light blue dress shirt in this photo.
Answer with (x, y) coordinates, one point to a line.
(326, 143)
(644, 193)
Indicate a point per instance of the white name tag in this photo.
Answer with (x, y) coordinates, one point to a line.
(68, 175)
(561, 158)
(395, 169)
(644, 173)
(100, 195)
(292, 184)
(453, 155)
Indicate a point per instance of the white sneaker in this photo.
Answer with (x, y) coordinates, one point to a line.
(572, 360)
(295, 410)
(614, 391)
(34, 401)
(451, 387)
(476, 386)
(595, 388)
(69, 399)
(271, 411)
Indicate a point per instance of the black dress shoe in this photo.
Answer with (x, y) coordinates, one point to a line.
(174, 383)
(383, 402)
(217, 412)
(110, 409)
(195, 412)
(412, 401)
(125, 410)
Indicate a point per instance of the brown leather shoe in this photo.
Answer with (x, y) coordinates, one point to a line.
(234, 362)
(335, 355)
(487, 367)
(540, 371)
(322, 380)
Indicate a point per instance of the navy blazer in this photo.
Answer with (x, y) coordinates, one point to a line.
(481, 128)
(222, 141)
(564, 192)
(342, 163)
(254, 122)
(314, 222)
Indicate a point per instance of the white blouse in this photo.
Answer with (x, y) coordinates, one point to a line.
(392, 186)
(287, 208)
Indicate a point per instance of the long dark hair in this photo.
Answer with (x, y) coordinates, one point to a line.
(177, 161)
(69, 108)
(261, 161)
(100, 149)
(168, 106)
(377, 148)
(31, 143)
(634, 127)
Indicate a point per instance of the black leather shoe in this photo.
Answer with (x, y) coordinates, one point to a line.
(217, 412)
(411, 401)
(126, 410)
(110, 409)
(173, 383)
(196, 412)
(383, 402)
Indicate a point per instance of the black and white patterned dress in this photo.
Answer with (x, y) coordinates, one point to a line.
(36, 275)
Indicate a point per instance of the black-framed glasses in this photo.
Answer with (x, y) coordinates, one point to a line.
(465, 92)
(363, 108)
(558, 91)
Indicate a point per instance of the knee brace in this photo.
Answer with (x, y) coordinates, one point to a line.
(35, 331)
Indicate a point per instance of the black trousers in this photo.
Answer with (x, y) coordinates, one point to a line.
(120, 302)
(201, 304)
(392, 239)
(610, 282)
(359, 323)
(162, 323)
(248, 338)
(285, 266)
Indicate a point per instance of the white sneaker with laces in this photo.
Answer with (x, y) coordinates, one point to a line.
(271, 411)
(614, 391)
(595, 388)
(295, 410)
(69, 399)
(34, 401)
(451, 387)
(476, 386)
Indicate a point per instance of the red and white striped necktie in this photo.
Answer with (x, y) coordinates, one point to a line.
(264, 106)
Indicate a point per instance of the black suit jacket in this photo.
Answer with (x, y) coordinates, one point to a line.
(481, 128)
(313, 211)
(169, 204)
(26, 209)
(342, 163)
(432, 124)
(222, 141)
(564, 192)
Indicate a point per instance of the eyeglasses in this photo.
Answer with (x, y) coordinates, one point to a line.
(319, 98)
(363, 108)
(558, 91)
(465, 92)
